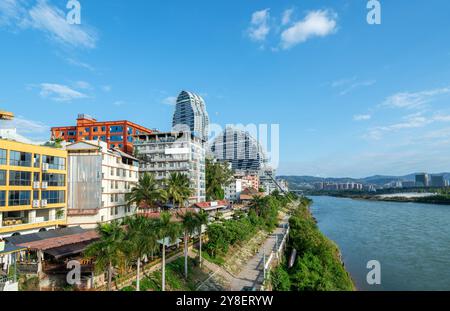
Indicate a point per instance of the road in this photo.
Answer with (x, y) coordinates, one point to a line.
(252, 274)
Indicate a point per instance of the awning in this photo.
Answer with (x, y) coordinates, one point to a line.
(67, 250)
(11, 248)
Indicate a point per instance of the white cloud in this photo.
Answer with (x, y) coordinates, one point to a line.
(414, 100)
(83, 85)
(409, 122)
(259, 28)
(24, 130)
(48, 19)
(286, 18)
(357, 85)
(78, 63)
(362, 117)
(106, 88)
(170, 100)
(316, 24)
(119, 103)
(59, 92)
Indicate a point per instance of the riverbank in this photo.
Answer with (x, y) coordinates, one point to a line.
(317, 265)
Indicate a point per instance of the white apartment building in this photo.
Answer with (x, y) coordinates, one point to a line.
(164, 153)
(98, 180)
(233, 190)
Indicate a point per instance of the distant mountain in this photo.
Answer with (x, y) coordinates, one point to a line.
(373, 180)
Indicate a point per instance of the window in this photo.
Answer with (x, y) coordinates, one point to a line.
(54, 197)
(103, 128)
(112, 198)
(95, 129)
(54, 180)
(2, 178)
(72, 133)
(95, 137)
(54, 163)
(112, 171)
(87, 130)
(2, 198)
(2, 157)
(120, 146)
(116, 129)
(103, 138)
(130, 131)
(130, 139)
(116, 138)
(17, 178)
(35, 195)
(36, 177)
(17, 198)
(37, 160)
(20, 159)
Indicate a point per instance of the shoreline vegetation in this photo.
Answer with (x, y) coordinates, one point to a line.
(317, 265)
(442, 197)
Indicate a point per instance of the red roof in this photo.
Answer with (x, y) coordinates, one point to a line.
(175, 213)
(61, 241)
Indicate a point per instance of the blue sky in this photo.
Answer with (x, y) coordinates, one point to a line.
(351, 99)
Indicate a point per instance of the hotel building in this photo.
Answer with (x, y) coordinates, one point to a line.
(98, 180)
(117, 134)
(33, 188)
(164, 153)
(190, 114)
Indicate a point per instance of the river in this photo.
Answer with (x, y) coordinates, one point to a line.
(411, 241)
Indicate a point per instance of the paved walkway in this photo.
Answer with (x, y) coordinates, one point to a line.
(252, 274)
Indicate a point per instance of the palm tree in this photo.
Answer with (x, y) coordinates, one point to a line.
(189, 224)
(142, 239)
(178, 189)
(167, 231)
(108, 248)
(258, 202)
(202, 219)
(147, 191)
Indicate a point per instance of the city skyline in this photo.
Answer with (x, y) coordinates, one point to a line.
(376, 105)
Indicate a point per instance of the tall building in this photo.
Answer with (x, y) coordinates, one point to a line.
(190, 112)
(117, 134)
(33, 188)
(98, 180)
(240, 149)
(438, 181)
(422, 180)
(233, 190)
(165, 153)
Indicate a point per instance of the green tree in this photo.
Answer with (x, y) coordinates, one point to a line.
(202, 220)
(218, 176)
(168, 232)
(147, 191)
(190, 225)
(141, 239)
(178, 189)
(108, 248)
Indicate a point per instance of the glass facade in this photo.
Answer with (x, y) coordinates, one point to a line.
(2, 178)
(18, 198)
(2, 198)
(18, 178)
(2, 157)
(54, 163)
(18, 158)
(54, 197)
(116, 129)
(54, 180)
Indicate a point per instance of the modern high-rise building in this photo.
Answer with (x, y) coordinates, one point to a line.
(117, 134)
(164, 153)
(240, 149)
(33, 188)
(422, 180)
(98, 180)
(438, 181)
(190, 113)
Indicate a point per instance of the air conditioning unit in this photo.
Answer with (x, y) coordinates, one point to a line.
(45, 167)
(43, 203)
(44, 185)
(35, 203)
(36, 185)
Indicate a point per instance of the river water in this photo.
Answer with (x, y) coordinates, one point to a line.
(411, 241)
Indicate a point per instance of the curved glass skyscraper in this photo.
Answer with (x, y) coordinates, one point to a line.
(190, 112)
(240, 149)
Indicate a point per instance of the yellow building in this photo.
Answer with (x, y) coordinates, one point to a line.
(33, 188)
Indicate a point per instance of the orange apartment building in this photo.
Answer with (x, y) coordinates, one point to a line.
(117, 134)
